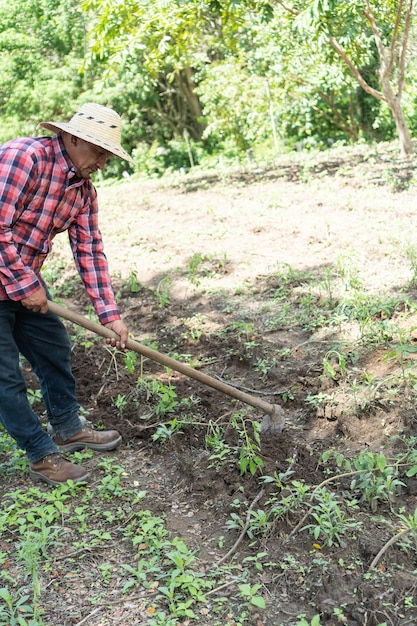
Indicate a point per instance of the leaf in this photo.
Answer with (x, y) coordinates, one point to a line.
(381, 462)
(258, 601)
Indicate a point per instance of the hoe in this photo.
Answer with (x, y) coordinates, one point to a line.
(274, 419)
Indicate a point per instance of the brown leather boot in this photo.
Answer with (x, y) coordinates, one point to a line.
(100, 440)
(55, 470)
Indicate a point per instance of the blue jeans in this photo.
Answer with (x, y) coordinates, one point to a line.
(44, 342)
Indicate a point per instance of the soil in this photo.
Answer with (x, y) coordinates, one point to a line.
(229, 271)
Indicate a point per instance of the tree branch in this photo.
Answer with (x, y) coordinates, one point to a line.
(243, 533)
(340, 51)
(394, 38)
(338, 119)
(403, 48)
(385, 63)
(389, 543)
(289, 9)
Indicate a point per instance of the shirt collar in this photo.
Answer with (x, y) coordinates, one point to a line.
(65, 163)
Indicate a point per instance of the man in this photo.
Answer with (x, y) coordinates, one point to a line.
(45, 188)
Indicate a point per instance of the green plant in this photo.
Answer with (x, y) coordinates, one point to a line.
(16, 611)
(130, 359)
(335, 364)
(120, 403)
(164, 394)
(302, 621)
(251, 596)
(106, 570)
(330, 521)
(110, 485)
(411, 255)
(163, 291)
(319, 399)
(259, 524)
(221, 451)
(183, 586)
(409, 522)
(376, 480)
(248, 432)
(263, 366)
(196, 326)
(193, 266)
(132, 282)
(34, 395)
(165, 431)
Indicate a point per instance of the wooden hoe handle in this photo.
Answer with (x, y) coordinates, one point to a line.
(273, 424)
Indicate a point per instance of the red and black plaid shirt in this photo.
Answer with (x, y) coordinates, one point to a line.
(41, 195)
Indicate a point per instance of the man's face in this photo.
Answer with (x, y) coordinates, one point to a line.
(86, 157)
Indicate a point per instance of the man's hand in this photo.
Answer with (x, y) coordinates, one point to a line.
(120, 328)
(37, 302)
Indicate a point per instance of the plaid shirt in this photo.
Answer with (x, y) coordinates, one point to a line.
(41, 195)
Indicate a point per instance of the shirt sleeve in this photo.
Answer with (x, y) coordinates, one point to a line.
(17, 175)
(88, 251)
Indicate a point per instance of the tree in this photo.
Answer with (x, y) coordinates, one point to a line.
(161, 38)
(41, 52)
(348, 28)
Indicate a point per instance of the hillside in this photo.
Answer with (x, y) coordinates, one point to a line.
(294, 282)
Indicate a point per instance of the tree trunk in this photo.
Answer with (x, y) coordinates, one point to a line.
(184, 83)
(406, 144)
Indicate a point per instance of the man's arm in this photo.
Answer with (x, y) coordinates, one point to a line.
(17, 176)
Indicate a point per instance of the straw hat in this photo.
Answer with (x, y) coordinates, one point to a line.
(96, 124)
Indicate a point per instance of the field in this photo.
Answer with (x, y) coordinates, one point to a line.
(296, 283)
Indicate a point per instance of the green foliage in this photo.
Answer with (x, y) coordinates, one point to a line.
(197, 79)
(41, 43)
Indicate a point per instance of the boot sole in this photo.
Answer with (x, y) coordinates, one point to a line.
(37, 476)
(98, 447)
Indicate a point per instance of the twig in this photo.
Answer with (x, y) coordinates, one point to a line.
(231, 582)
(109, 603)
(254, 391)
(87, 617)
(311, 509)
(389, 543)
(243, 533)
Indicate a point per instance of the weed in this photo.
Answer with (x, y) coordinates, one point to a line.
(377, 481)
(163, 291)
(258, 524)
(196, 268)
(411, 254)
(196, 326)
(249, 444)
(221, 451)
(111, 484)
(34, 396)
(130, 359)
(330, 521)
(319, 399)
(120, 403)
(17, 610)
(193, 266)
(251, 596)
(302, 621)
(165, 431)
(335, 364)
(410, 523)
(164, 394)
(132, 282)
(263, 366)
